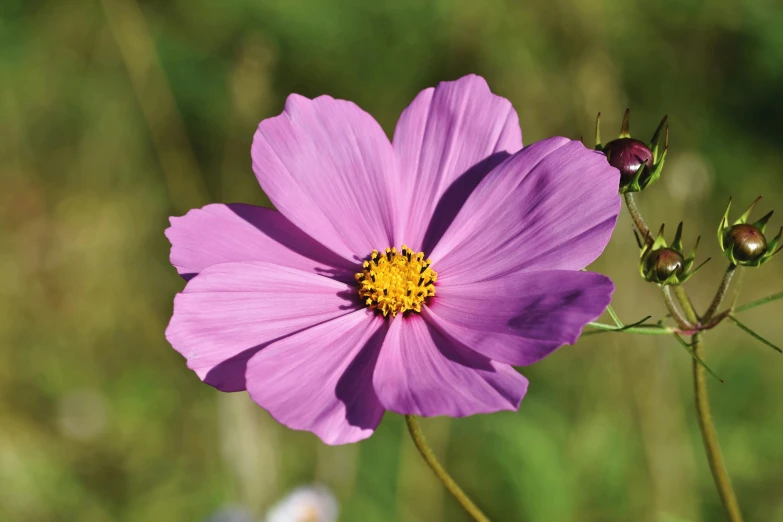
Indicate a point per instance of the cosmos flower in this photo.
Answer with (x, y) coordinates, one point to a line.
(406, 276)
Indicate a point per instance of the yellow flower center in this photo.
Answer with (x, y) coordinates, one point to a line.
(394, 282)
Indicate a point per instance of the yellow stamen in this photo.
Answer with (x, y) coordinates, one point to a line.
(393, 282)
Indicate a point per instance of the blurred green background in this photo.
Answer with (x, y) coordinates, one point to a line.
(115, 114)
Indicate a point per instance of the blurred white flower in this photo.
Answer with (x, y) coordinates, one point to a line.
(305, 504)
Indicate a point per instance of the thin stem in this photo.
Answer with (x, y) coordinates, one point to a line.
(443, 476)
(686, 303)
(636, 216)
(721, 293)
(737, 286)
(710, 437)
(696, 358)
(753, 334)
(675, 312)
(614, 316)
(759, 302)
(648, 329)
(708, 434)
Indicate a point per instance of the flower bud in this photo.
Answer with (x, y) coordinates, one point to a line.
(744, 243)
(639, 164)
(628, 155)
(664, 263)
(667, 265)
(747, 243)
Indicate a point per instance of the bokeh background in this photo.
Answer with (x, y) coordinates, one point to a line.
(115, 114)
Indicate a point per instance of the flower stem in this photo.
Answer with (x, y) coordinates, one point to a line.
(687, 305)
(443, 476)
(721, 293)
(636, 216)
(708, 434)
(681, 320)
(710, 437)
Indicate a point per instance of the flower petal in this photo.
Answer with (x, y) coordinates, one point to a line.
(553, 205)
(223, 233)
(328, 167)
(523, 317)
(447, 140)
(320, 380)
(232, 310)
(422, 372)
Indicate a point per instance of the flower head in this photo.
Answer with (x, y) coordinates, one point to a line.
(407, 275)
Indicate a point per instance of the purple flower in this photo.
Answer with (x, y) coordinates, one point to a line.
(310, 309)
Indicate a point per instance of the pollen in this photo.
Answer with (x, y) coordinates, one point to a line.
(393, 282)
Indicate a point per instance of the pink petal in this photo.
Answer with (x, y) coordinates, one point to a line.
(523, 317)
(421, 371)
(232, 310)
(223, 233)
(553, 205)
(320, 380)
(328, 167)
(447, 140)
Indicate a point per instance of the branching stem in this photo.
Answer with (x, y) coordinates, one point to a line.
(686, 315)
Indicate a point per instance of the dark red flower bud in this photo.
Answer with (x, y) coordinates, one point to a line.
(747, 242)
(627, 155)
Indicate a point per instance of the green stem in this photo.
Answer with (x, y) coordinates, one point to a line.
(721, 293)
(752, 333)
(636, 216)
(682, 321)
(650, 329)
(687, 305)
(710, 437)
(737, 286)
(759, 302)
(614, 316)
(443, 476)
(708, 434)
